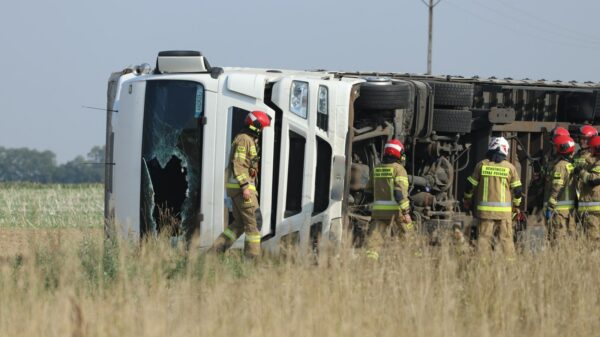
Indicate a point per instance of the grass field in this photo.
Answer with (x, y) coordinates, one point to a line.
(60, 279)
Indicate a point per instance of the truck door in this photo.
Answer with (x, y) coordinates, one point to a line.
(240, 93)
(303, 151)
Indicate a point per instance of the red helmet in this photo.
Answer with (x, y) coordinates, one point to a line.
(594, 143)
(394, 148)
(564, 144)
(587, 132)
(559, 131)
(257, 120)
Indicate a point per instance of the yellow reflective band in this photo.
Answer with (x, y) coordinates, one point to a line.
(253, 152)
(485, 189)
(551, 201)
(240, 149)
(589, 208)
(558, 182)
(495, 208)
(495, 171)
(570, 167)
(503, 190)
(249, 186)
(596, 169)
(515, 184)
(565, 207)
(386, 207)
(229, 234)
(372, 255)
(468, 195)
(383, 172)
(473, 181)
(517, 201)
(402, 180)
(405, 205)
(557, 175)
(238, 155)
(253, 238)
(241, 177)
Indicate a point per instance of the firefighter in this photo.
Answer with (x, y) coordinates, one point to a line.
(584, 155)
(589, 201)
(497, 187)
(583, 159)
(560, 191)
(547, 168)
(549, 160)
(391, 207)
(241, 187)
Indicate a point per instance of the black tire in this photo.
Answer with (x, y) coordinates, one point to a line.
(455, 121)
(375, 96)
(452, 94)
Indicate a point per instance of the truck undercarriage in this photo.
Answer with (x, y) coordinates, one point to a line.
(445, 124)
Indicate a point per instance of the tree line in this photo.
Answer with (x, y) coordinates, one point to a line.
(28, 165)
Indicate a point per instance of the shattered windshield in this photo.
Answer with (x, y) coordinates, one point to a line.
(172, 156)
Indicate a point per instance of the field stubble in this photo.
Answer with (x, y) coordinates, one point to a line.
(86, 287)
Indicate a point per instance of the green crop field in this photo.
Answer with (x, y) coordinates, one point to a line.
(59, 278)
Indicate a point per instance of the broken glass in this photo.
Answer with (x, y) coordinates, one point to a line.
(172, 157)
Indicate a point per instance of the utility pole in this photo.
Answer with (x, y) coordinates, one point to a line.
(430, 6)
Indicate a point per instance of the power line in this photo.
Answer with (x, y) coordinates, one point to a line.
(546, 30)
(542, 37)
(554, 25)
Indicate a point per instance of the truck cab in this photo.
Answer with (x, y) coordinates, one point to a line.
(169, 133)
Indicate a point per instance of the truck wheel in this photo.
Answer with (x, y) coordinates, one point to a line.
(452, 94)
(455, 121)
(376, 96)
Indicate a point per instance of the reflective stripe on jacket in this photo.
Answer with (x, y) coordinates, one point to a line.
(589, 200)
(243, 158)
(560, 190)
(386, 179)
(493, 184)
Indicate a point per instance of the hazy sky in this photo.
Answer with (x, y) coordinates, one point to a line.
(57, 55)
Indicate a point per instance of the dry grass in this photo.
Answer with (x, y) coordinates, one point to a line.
(87, 288)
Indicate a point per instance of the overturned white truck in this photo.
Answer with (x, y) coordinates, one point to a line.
(169, 130)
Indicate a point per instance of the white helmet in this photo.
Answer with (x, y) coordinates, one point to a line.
(500, 144)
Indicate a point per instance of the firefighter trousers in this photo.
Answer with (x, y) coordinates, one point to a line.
(591, 223)
(560, 226)
(246, 220)
(487, 227)
(381, 231)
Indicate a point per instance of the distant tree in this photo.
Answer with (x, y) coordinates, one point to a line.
(96, 154)
(23, 164)
(83, 170)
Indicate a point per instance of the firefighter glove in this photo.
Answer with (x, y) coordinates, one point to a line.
(549, 212)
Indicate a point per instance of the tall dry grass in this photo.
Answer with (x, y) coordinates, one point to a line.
(90, 288)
